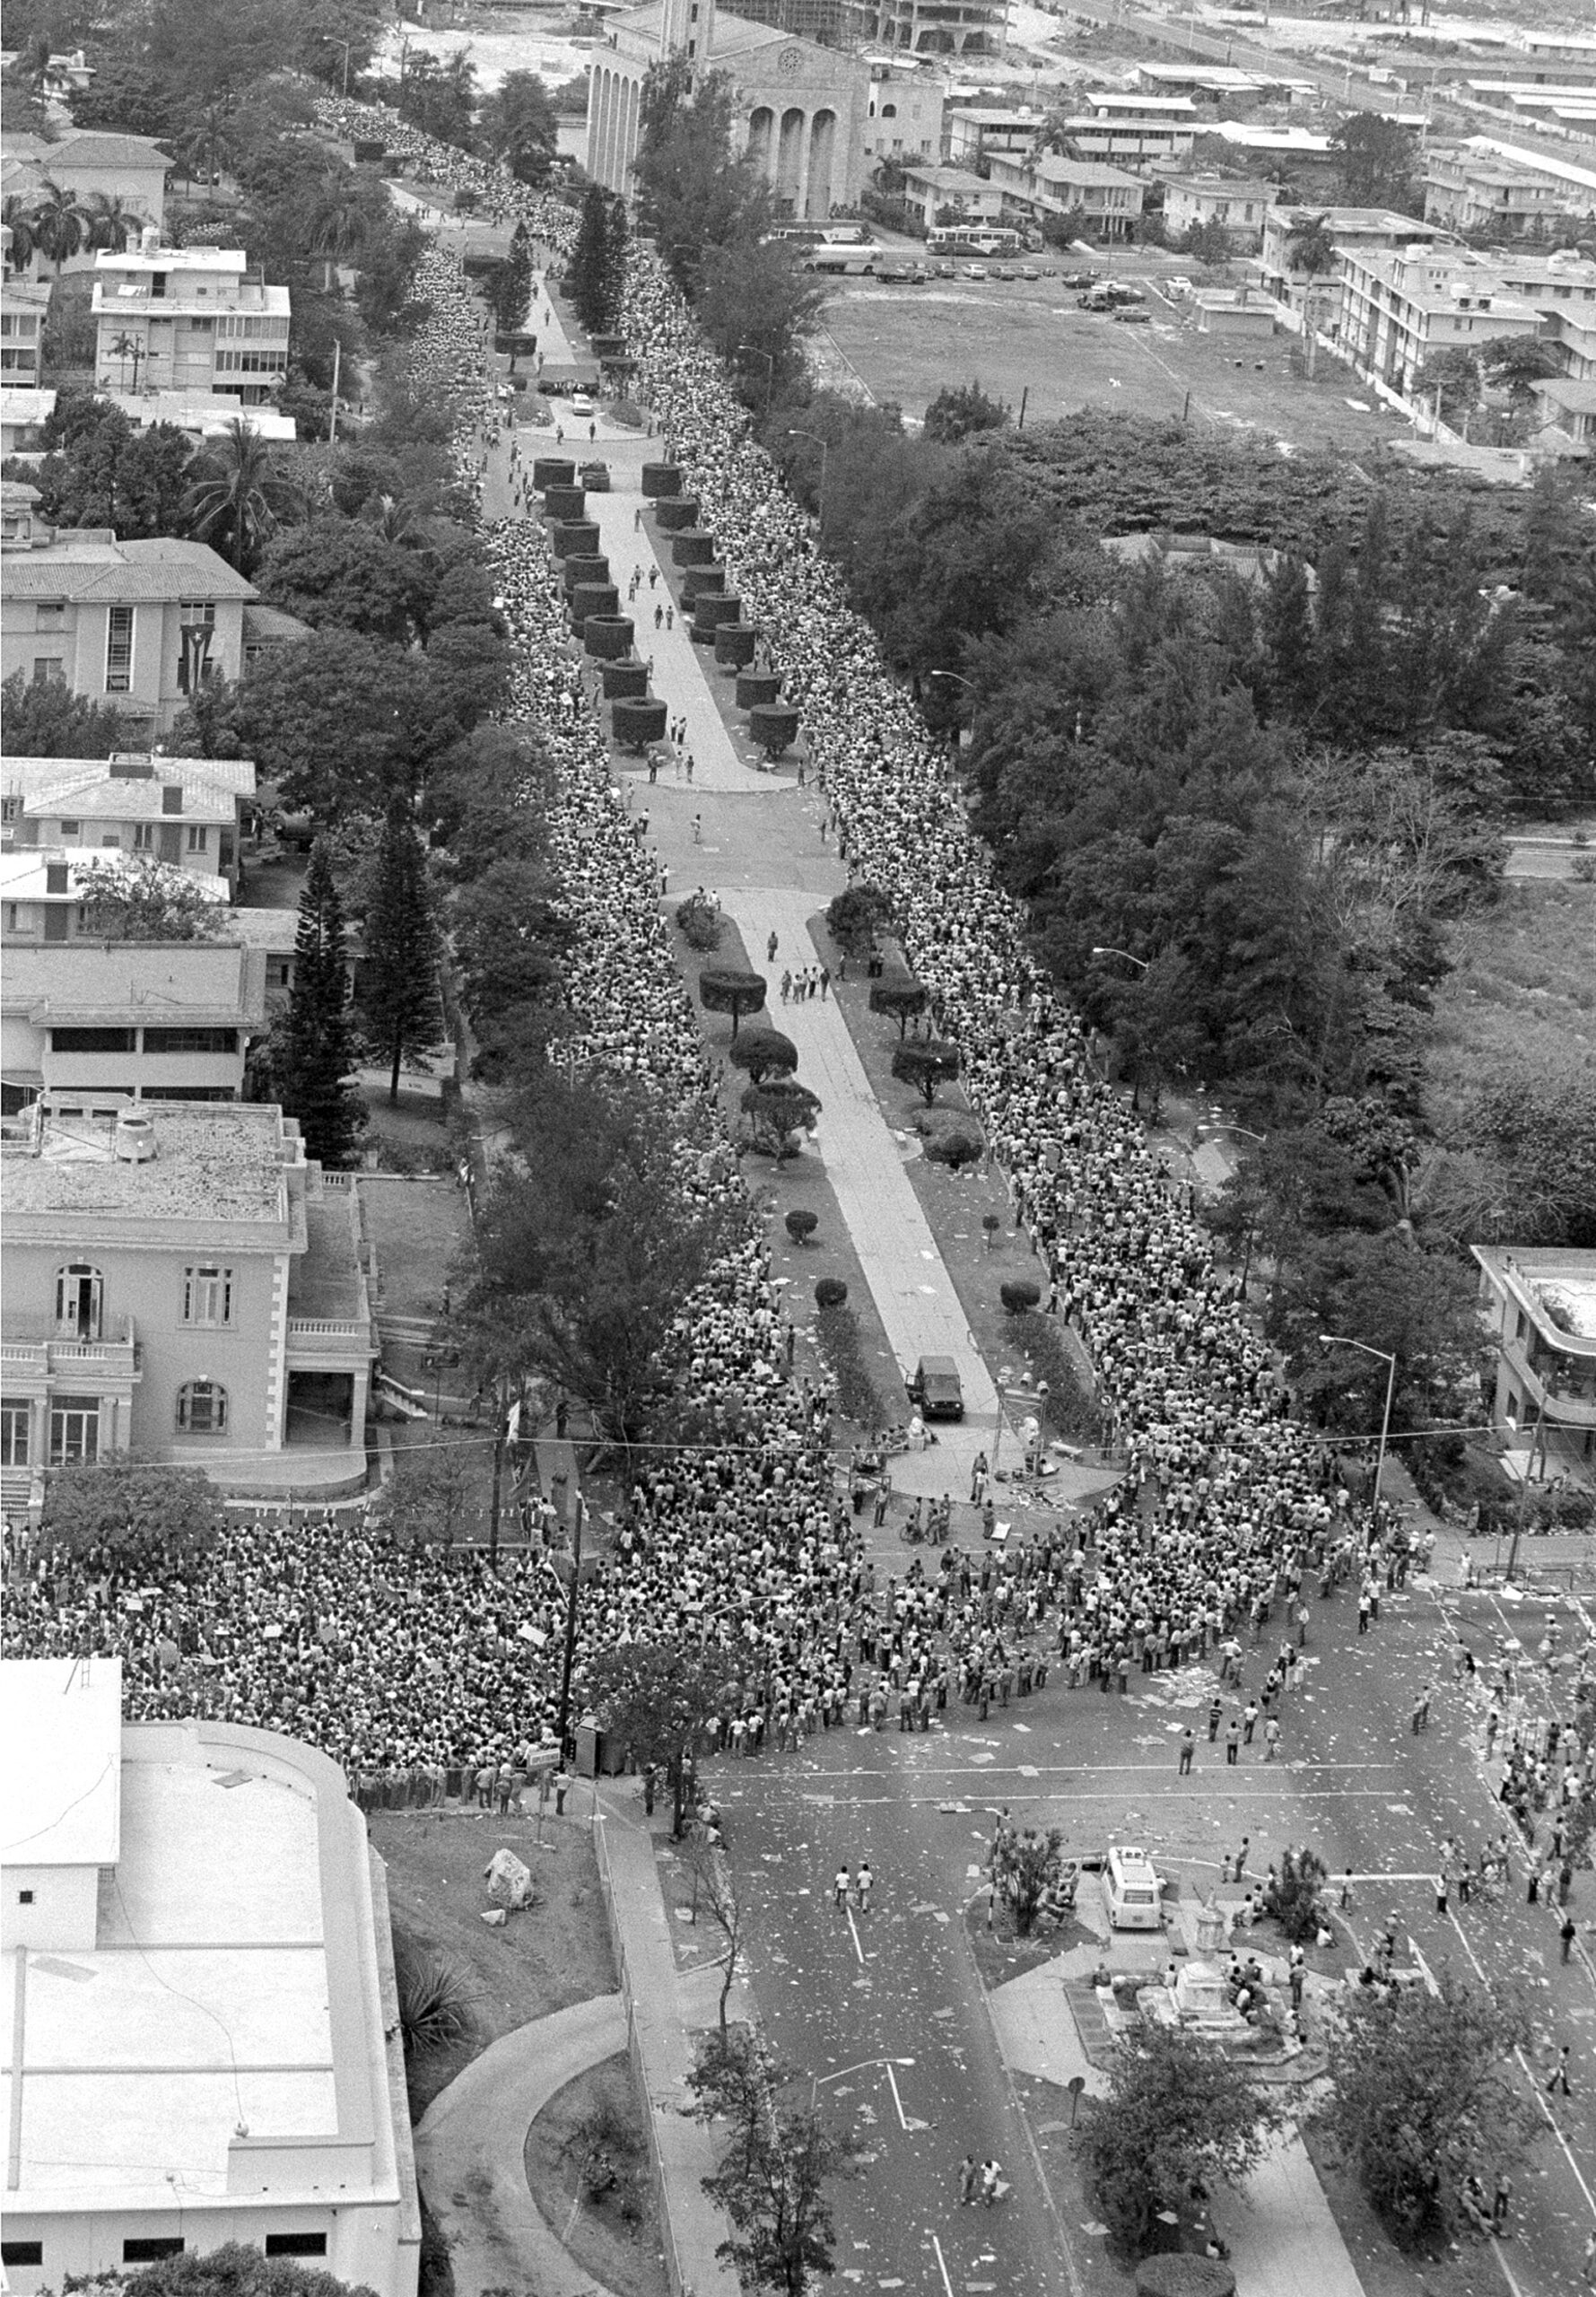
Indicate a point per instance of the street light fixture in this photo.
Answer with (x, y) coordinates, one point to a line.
(1341, 1340)
(1220, 1125)
(825, 454)
(753, 352)
(956, 677)
(1144, 963)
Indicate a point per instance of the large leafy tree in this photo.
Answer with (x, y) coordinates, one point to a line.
(47, 720)
(343, 573)
(694, 194)
(961, 410)
(399, 997)
(518, 126)
(236, 2270)
(111, 474)
(1179, 2112)
(759, 310)
(772, 2178)
(590, 1250)
(1423, 2089)
(137, 898)
(148, 1517)
(336, 720)
(1378, 160)
(658, 1699)
(1414, 1305)
(596, 275)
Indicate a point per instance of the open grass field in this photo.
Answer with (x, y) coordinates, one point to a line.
(905, 343)
(1522, 991)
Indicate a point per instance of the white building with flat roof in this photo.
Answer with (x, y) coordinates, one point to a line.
(195, 321)
(198, 2001)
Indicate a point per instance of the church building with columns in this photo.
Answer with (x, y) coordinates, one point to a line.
(800, 111)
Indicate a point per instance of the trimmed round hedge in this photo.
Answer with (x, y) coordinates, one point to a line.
(699, 581)
(661, 480)
(564, 501)
(735, 643)
(675, 517)
(592, 600)
(552, 470)
(694, 547)
(755, 687)
(624, 681)
(638, 721)
(574, 537)
(608, 637)
(774, 726)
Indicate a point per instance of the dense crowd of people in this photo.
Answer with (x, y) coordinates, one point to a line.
(415, 1663)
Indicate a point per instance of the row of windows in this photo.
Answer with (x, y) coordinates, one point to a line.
(156, 1040)
(253, 330)
(22, 324)
(150, 2248)
(80, 1293)
(251, 362)
(74, 1430)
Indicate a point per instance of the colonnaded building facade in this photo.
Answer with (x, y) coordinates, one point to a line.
(801, 109)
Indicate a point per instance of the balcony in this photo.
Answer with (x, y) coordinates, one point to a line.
(112, 1360)
(329, 1343)
(1552, 1386)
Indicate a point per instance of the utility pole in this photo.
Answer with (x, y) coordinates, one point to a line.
(332, 435)
(571, 1611)
(499, 1419)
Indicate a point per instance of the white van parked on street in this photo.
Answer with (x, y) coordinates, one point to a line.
(1132, 1883)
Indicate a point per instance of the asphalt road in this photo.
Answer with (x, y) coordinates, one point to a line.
(885, 2011)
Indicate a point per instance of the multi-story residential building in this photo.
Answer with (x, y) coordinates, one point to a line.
(225, 2063)
(1132, 131)
(184, 812)
(136, 624)
(1400, 308)
(973, 132)
(1350, 229)
(904, 118)
(23, 415)
(913, 27)
(44, 892)
(1565, 415)
(178, 1280)
(938, 192)
(1540, 1308)
(152, 1020)
(194, 320)
(1471, 188)
(131, 168)
(1106, 198)
(1562, 288)
(23, 308)
(1236, 204)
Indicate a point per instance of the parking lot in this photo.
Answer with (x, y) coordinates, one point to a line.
(1018, 337)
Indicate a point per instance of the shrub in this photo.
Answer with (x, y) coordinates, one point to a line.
(831, 1292)
(1174, 2275)
(990, 1223)
(901, 998)
(1019, 1294)
(764, 1052)
(800, 1226)
(700, 922)
(1584, 867)
(436, 1998)
(955, 1148)
(627, 411)
(1295, 1901)
(854, 918)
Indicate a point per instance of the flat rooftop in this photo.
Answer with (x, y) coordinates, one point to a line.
(219, 1162)
(204, 2004)
(61, 1724)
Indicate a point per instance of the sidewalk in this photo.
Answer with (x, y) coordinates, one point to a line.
(658, 2000)
(470, 2152)
(864, 1161)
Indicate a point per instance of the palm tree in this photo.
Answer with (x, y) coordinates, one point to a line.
(108, 221)
(394, 520)
(1311, 249)
(58, 222)
(17, 219)
(335, 217)
(126, 348)
(237, 494)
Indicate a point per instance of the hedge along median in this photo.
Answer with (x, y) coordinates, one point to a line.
(675, 517)
(660, 481)
(638, 720)
(552, 470)
(608, 637)
(564, 501)
(624, 681)
(574, 537)
(698, 581)
(692, 547)
(736, 645)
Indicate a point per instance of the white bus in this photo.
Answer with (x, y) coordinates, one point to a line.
(845, 258)
(972, 238)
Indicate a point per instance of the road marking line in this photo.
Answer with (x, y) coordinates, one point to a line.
(942, 2266)
(1530, 2076)
(853, 1927)
(897, 2100)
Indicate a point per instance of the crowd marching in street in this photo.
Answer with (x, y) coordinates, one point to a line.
(416, 1664)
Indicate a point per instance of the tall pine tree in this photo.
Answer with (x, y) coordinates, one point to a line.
(399, 993)
(312, 1052)
(596, 271)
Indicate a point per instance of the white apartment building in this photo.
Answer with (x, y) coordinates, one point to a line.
(1400, 308)
(195, 321)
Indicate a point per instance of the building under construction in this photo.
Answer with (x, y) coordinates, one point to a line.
(913, 27)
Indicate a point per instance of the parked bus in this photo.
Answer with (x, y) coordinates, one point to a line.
(844, 258)
(972, 238)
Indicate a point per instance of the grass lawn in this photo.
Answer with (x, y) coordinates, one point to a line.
(906, 343)
(556, 1955)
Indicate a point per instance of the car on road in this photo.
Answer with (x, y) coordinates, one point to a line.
(580, 404)
(1179, 284)
(1119, 291)
(975, 271)
(935, 1388)
(945, 270)
(1096, 299)
(1130, 315)
(595, 477)
(1003, 272)
(1029, 271)
(1079, 278)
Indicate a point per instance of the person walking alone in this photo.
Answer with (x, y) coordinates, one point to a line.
(968, 2180)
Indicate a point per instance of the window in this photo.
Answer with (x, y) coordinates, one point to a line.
(71, 828)
(92, 1041)
(149, 2248)
(199, 838)
(25, 1897)
(20, 2253)
(118, 650)
(296, 2245)
(201, 1408)
(74, 1437)
(191, 1040)
(50, 613)
(197, 609)
(11, 809)
(207, 1294)
(16, 1420)
(50, 669)
(79, 1297)
(143, 837)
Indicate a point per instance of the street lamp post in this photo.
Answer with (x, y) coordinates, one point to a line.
(1144, 964)
(825, 453)
(753, 352)
(1385, 1356)
(568, 1658)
